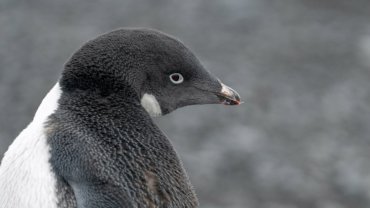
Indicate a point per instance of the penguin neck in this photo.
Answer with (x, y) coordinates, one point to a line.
(93, 103)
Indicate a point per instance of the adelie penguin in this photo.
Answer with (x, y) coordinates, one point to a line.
(92, 142)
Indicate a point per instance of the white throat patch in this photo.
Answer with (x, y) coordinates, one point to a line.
(26, 178)
(151, 105)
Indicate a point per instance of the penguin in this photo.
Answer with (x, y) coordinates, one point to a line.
(93, 143)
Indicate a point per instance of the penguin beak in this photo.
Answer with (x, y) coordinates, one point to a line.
(228, 96)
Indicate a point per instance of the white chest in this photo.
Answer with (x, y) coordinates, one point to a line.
(26, 178)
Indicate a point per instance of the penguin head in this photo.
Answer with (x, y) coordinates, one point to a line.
(154, 68)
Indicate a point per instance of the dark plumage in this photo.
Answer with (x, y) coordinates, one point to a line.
(105, 149)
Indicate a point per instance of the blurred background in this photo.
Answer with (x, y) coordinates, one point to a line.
(300, 140)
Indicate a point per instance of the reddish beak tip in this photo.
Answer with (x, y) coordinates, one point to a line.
(228, 96)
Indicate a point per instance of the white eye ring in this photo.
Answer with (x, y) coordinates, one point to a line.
(176, 78)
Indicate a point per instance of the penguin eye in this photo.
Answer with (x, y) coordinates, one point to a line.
(176, 78)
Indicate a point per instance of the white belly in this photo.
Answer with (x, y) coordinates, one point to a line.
(26, 178)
